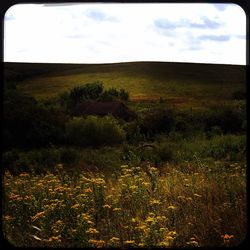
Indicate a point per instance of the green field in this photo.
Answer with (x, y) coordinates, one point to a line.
(178, 83)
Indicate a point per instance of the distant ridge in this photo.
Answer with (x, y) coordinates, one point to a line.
(21, 71)
(183, 82)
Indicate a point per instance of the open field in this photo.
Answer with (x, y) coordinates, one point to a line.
(174, 175)
(179, 83)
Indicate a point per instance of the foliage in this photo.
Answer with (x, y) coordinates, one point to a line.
(239, 95)
(229, 120)
(85, 92)
(94, 131)
(157, 121)
(190, 204)
(27, 123)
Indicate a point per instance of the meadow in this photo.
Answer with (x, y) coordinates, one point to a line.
(180, 83)
(189, 205)
(172, 177)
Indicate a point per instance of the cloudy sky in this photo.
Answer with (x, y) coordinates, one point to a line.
(105, 33)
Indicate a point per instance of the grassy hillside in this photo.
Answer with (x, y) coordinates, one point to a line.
(176, 82)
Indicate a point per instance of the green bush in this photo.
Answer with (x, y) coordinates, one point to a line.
(113, 94)
(86, 92)
(158, 121)
(230, 146)
(37, 161)
(239, 95)
(228, 119)
(165, 151)
(29, 123)
(69, 156)
(94, 131)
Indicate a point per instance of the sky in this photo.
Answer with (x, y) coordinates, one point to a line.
(109, 33)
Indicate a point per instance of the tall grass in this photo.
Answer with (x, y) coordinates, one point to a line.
(188, 205)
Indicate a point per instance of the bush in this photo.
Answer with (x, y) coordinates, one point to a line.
(239, 95)
(86, 92)
(133, 132)
(165, 151)
(158, 121)
(229, 120)
(69, 156)
(124, 95)
(37, 161)
(28, 123)
(226, 146)
(94, 131)
(113, 94)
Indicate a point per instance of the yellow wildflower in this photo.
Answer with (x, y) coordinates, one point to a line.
(117, 209)
(133, 187)
(55, 238)
(172, 233)
(106, 206)
(154, 202)
(14, 196)
(197, 195)
(114, 239)
(169, 238)
(88, 190)
(99, 181)
(227, 236)
(24, 175)
(38, 215)
(149, 219)
(92, 231)
(7, 217)
(76, 206)
(129, 242)
(172, 207)
(97, 243)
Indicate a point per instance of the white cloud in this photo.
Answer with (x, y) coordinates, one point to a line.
(99, 33)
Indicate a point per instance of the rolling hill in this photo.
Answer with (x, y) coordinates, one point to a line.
(177, 82)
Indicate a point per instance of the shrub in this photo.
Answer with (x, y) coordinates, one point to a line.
(165, 151)
(113, 94)
(94, 131)
(69, 156)
(157, 121)
(239, 95)
(28, 123)
(133, 132)
(226, 146)
(229, 120)
(85, 92)
(37, 161)
(124, 95)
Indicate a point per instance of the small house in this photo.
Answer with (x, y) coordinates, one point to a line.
(115, 108)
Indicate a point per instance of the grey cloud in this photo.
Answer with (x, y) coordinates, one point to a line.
(219, 38)
(9, 17)
(166, 24)
(207, 24)
(186, 23)
(241, 36)
(100, 16)
(221, 7)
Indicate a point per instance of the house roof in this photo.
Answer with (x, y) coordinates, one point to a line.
(102, 108)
